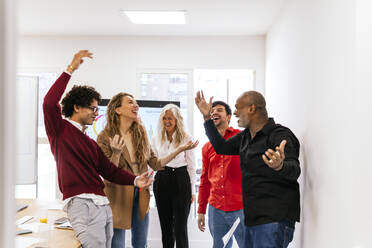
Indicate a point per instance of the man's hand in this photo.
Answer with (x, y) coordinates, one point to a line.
(78, 59)
(204, 107)
(275, 159)
(144, 180)
(189, 145)
(117, 144)
(201, 222)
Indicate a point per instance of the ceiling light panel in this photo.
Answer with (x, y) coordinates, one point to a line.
(156, 17)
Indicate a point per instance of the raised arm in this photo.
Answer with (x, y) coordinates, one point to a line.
(220, 145)
(51, 107)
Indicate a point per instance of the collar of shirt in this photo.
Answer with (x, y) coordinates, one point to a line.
(269, 126)
(173, 136)
(167, 142)
(77, 125)
(229, 130)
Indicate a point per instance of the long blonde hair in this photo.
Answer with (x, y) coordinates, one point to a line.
(137, 130)
(180, 127)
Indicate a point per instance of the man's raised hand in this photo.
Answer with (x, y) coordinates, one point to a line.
(78, 59)
(204, 107)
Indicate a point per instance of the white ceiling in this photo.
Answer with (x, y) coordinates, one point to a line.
(103, 17)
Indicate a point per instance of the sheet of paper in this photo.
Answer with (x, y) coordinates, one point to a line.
(34, 227)
(24, 219)
(229, 234)
(65, 225)
(24, 242)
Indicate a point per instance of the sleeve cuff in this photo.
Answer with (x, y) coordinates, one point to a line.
(202, 210)
(193, 190)
(135, 181)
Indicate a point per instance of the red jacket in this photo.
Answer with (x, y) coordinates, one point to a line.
(80, 161)
(221, 179)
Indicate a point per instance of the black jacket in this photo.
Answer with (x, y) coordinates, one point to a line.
(268, 195)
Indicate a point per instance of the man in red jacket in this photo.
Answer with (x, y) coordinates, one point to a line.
(220, 184)
(80, 162)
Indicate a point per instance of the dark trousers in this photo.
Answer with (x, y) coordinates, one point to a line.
(172, 192)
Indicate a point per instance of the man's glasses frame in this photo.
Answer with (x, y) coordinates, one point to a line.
(93, 108)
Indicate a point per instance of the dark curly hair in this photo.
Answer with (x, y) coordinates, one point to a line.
(81, 96)
(227, 107)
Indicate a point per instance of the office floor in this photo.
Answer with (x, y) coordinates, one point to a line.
(197, 239)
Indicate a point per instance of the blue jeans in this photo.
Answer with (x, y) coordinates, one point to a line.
(271, 235)
(220, 222)
(139, 228)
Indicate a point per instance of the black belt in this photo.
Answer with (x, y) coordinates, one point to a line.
(166, 168)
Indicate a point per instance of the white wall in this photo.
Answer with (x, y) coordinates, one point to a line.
(318, 82)
(118, 60)
(361, 163)
(7, 121)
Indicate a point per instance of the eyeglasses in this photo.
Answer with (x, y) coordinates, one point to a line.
(93, 108)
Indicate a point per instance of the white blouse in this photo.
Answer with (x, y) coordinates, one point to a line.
(184, 158)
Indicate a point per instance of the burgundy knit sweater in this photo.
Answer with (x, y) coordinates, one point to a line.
(80, 161)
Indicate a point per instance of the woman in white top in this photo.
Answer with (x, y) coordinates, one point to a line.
(174, 187)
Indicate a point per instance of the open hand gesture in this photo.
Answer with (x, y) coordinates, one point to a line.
(78, 59)
(275, 159)
(117, 144)
(189, 145)
(204, 107)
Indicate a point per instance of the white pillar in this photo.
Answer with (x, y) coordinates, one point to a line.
(7, 121)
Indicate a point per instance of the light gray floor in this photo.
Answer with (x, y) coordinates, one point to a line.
(196, 237)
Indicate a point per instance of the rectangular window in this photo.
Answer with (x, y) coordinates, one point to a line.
(166, 87)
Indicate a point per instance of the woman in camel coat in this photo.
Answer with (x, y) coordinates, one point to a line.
(125, 142)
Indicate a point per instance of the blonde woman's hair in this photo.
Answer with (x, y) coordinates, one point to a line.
(180, 133)
(138, 132)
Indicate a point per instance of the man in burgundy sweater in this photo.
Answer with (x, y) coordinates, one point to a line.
(80, 161)
(220, 184)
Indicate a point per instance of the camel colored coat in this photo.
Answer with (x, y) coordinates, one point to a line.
(121, 197)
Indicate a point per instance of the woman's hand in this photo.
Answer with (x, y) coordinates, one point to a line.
(189, 145)
(193, 197)
(117, 144)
